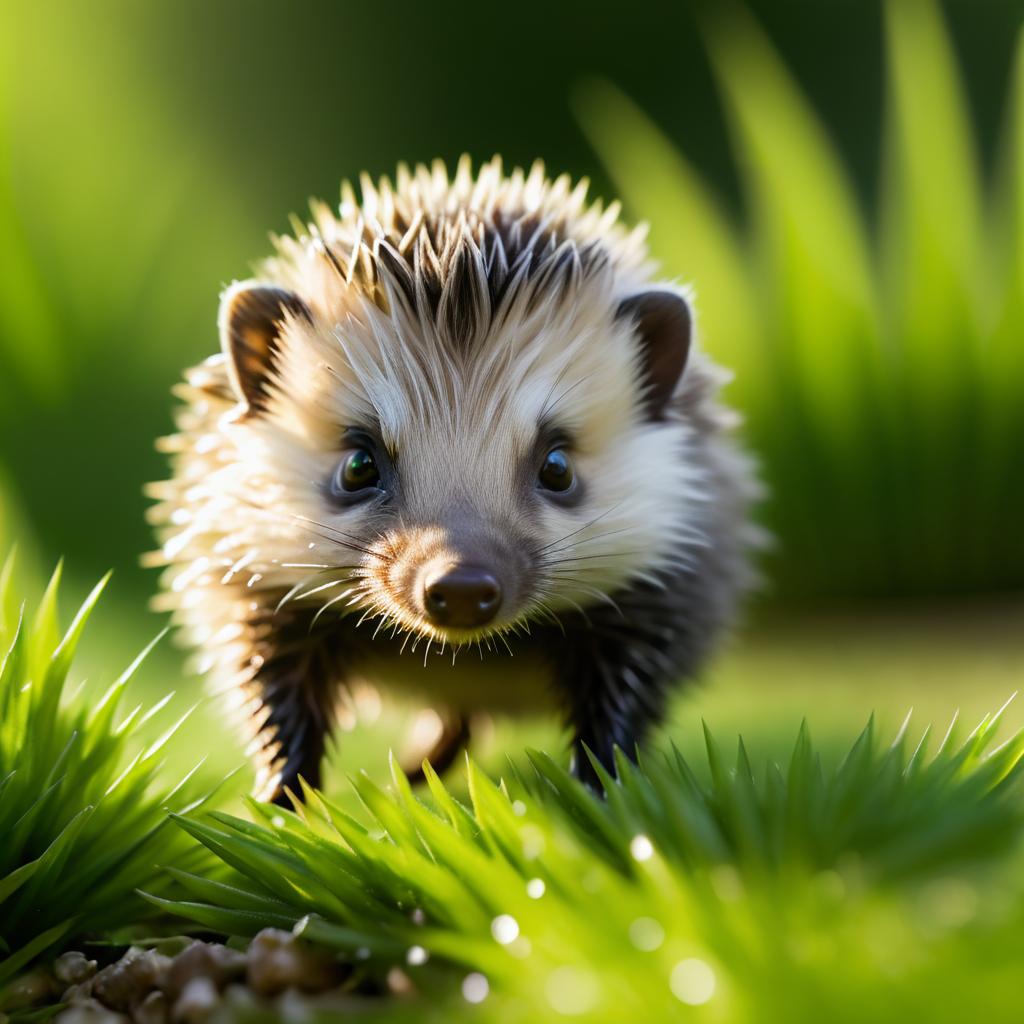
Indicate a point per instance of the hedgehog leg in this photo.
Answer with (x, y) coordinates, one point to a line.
(618, 664)
(616, 669)
(452, 741)
(608, 717)
(293, 692)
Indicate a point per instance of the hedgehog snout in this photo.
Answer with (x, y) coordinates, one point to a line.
(461, 596)
(456, 578)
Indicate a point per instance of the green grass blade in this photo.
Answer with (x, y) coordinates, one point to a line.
(689, 232)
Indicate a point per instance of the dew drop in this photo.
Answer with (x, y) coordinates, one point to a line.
(646, 934)
(398, 981)
(505, 929)
(692, 981)
(533, 841)
(475, 988)
(641, 848)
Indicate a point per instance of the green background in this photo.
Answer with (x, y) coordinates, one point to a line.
(146, 150)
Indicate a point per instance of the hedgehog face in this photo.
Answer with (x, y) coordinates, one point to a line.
(464, 423)
(459, 494)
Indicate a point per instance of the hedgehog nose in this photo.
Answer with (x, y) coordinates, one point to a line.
(464, 597)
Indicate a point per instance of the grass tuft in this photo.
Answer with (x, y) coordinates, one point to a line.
(778, 892)
(82, 813)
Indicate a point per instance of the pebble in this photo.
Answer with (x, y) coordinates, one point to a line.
(277, 960)
(74, 968)
(198, 999)
(152, 1010)
(127, 982)
(89, 1011)
(220, 964)
(77, 993)
(37, 986)
(202, 981)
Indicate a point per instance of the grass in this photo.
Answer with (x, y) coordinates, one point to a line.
(877, 356)
(83, 799)
(877, 882)
(790, 892)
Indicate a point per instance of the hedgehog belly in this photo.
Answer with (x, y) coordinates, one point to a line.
(518, 684)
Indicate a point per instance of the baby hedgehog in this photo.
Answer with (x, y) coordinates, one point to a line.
(459, 442)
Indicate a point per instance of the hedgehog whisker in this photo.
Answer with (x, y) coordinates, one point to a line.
(577, 606)
(322, 587)
(585, 588)
(588, 540)
(323, 536)
(353, 541)
(541, 607)
(294, 592)
(333, 540)
(325, 606)
(552, 563)
(545, 408)
(572, 387)
(573, 533)
(335, 536)
(290, 594)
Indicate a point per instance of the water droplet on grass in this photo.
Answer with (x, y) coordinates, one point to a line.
(505, 929)
(646, 934)
(692, 981)
(641, 848)
(475, 988)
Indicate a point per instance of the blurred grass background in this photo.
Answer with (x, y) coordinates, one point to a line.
(842, 183)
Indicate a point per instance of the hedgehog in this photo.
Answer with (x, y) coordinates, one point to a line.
(459, 443)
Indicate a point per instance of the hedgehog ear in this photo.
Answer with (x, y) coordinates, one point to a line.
(250, 322)
(664, 326)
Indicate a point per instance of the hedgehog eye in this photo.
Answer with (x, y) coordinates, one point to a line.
(357, 472)
(556, 473)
